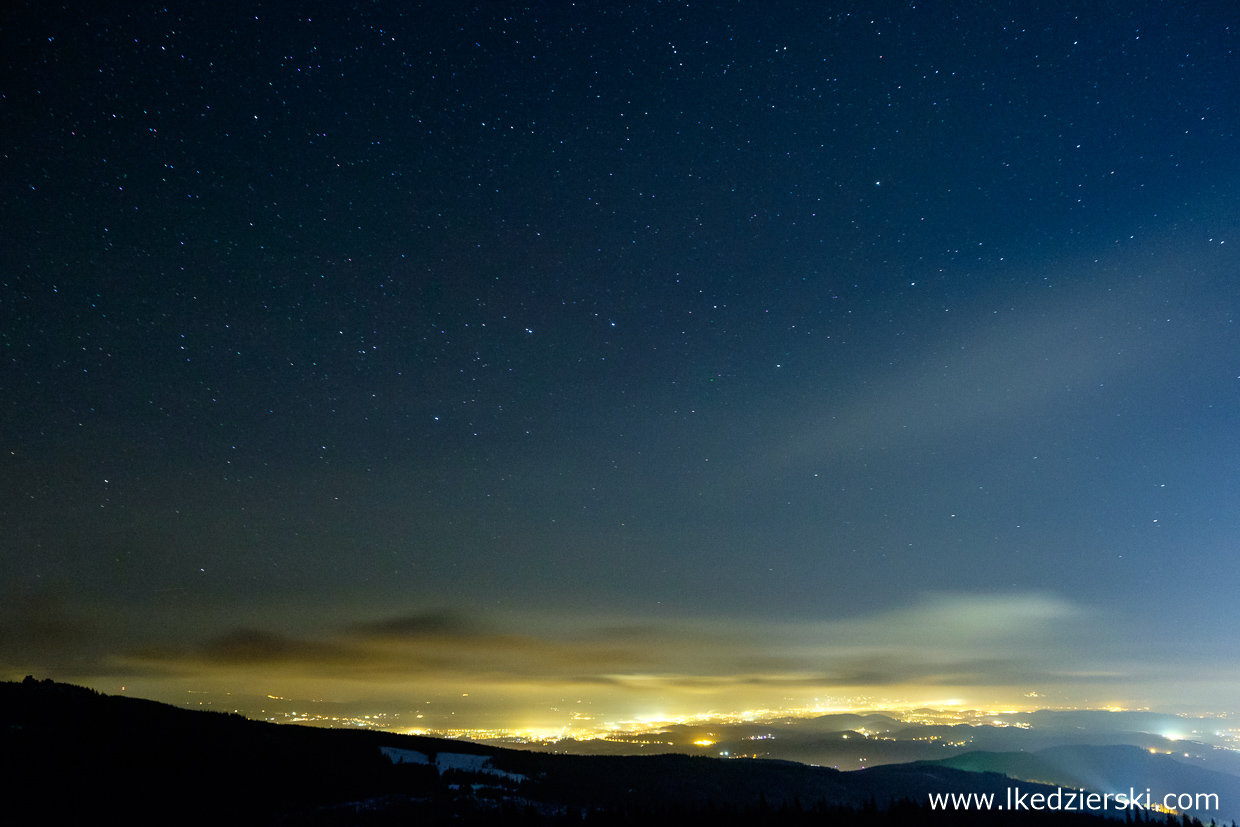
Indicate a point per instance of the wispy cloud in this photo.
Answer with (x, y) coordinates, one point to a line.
(997, 366)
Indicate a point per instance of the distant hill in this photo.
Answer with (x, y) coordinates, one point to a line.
(848, 741)
(69, 754)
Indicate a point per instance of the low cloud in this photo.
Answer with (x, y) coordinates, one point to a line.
(982, 646)
(253, 647)
(422, 625)
(945, 639)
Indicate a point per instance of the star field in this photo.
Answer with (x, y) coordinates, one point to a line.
(558, 320)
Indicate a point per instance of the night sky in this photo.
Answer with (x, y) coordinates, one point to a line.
(671, 357)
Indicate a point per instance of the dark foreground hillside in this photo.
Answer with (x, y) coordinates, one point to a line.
(69, 754)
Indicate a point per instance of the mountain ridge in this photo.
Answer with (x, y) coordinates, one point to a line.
(73, 753)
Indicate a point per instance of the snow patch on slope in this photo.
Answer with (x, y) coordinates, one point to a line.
(445, 761)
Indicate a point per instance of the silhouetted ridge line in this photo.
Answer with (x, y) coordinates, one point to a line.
(70, 754)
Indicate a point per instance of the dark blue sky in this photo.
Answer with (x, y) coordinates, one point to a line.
(325, 323)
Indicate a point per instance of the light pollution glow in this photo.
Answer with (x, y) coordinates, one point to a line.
(445, 672)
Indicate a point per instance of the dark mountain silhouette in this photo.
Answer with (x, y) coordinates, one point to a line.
(69, 754)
